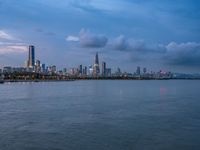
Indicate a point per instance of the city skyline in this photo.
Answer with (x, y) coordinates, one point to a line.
(157, 35)
(35, 66)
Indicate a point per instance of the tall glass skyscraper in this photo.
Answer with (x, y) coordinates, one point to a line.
(31, 56)
(103, 69)
(96, 68)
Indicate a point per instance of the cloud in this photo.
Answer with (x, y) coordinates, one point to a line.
(89, 40)
(71, 38)
(5, 36)
(120, 43)
(14, 48)
(173, 54)
(185, 54)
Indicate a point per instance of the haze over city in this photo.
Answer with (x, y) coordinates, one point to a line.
(153, 34)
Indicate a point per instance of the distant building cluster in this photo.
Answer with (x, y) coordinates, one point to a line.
(94, 70)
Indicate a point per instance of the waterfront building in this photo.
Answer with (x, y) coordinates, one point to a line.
(54, 69)
(37, 66)
(138, 71)
(19, 69)
(64, 71)
(96, 68)
(118, 72)
(108, 72)
(90, 70)
(7, 69)
(43, 68)
(74, 71)
(103, 69)
(85, 70)
(144, 70)
(80, 69)
(31, 57)
(51, 69)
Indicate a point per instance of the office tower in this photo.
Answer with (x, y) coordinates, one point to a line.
(7, 69)
(37, 63)
(103, 69)
(43, 68)
(80, 69)
(85, 70)
(37, 66)
(53, 69)
(96, 69)
(65, 70)
(144, 70)
(138, 70)
(108, 72)
(90, 70)
(31, 57)
(118, 70)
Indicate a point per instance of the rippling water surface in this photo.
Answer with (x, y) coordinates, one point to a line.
(100, 115)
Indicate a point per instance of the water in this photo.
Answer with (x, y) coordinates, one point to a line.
(100, 115)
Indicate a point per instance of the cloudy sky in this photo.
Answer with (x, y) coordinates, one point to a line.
(127, 33)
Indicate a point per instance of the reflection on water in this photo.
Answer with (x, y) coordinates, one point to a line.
(100, 115)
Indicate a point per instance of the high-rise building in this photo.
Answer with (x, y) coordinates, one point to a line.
(85, 70)
(51, 69)
(138, 70)
(31, 57)
(80, 69)
(144, 70)
(54, 69)
(37, 66)
(43, 68)
(90, 70)
(103, 69)
(65, 70)
(108, 72)
(96, 68)
(118, 72)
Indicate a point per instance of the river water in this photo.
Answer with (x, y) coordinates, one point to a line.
(100, 115)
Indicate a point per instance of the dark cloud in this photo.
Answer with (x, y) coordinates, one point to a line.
(122, 43)
(184, 54)
(88, 39)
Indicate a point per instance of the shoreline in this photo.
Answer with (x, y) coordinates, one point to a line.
(76, 79)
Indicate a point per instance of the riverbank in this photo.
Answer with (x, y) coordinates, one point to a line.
(92, 78)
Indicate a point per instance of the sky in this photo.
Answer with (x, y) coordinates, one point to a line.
(158, 35)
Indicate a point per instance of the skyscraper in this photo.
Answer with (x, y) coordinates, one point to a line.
(144, 70)
(96, 69)
(103, 69)
(138, 70)
(85, 70)
(31, 57)
(37, 66)
(43, 68)
(80, 69)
